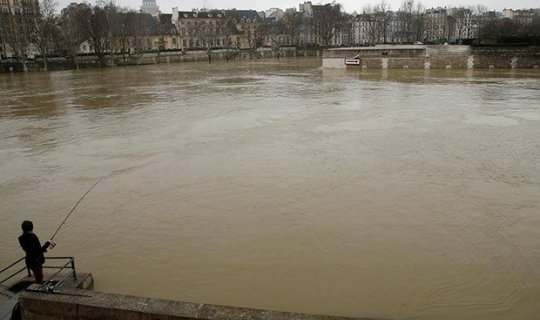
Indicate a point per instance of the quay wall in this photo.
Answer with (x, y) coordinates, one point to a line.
(62, 63)
(434, 57)
(77, 304)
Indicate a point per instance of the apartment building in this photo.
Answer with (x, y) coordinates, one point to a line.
(524, 17)
(436, 25)
(16, 25)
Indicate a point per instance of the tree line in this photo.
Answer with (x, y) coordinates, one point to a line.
(103, 26)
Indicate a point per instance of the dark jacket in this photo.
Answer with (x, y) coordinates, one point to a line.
(34, 251)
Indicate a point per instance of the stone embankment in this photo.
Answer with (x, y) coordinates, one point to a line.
(433, 57)
(62, 63)
(92, 305)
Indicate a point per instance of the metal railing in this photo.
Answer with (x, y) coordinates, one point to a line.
(16, 272)
(50, 280)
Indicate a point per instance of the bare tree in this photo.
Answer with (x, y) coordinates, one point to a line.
(328, 21)
(4, 30)
(497, 29)
(45, 28)
(16, 27)
(292, 23)
(406, 13)
(480, 16)
(208, 34)
(412, 13)
(460, 23)
(98, 23)
(269, 33)
(511, 31)
(70, 31)
(382, 16)
(122, 35)
(229, 31)
(368, 20)
(418, 23)
(254, 37)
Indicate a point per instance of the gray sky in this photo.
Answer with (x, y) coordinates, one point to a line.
(349, 5)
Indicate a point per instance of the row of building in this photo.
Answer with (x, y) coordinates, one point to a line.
(240, 29)
(435, 25)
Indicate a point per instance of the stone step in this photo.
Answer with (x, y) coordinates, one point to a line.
(8, 298)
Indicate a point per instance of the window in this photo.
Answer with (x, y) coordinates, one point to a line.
(17, 11)
(5, 10)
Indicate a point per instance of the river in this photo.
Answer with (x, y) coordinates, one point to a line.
(397, 194)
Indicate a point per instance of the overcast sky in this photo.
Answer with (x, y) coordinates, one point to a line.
(349, 5)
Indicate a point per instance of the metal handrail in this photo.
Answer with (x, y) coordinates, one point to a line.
(11, 265)
(15, 273)
(70, 264)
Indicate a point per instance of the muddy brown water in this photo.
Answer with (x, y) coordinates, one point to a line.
(277, 184)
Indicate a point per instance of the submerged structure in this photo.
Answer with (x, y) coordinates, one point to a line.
(432, 57)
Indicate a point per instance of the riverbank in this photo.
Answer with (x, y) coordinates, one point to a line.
(433, 57)
(89, 61)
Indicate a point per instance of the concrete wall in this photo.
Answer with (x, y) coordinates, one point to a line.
(92, 305)
(163, 57)
(434, 57)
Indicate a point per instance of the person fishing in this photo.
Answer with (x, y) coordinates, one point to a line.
(34, 250)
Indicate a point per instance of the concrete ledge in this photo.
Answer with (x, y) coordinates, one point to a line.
(434, 57)
(76, 304)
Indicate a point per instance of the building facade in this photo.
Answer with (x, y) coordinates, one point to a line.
(436, 25)
(17, 25)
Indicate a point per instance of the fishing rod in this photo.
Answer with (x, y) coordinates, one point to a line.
(73, 209)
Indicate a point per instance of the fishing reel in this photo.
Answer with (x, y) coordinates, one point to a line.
(51, 245)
